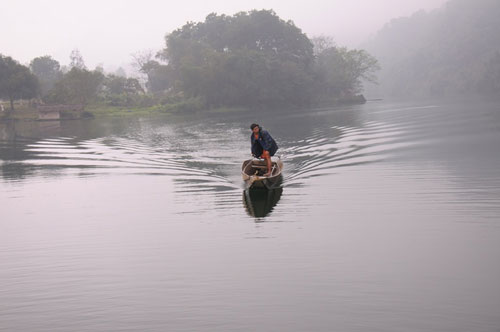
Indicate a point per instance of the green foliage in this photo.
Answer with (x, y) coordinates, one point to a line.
(78, 86)
(189, 104)
(262, 31)
(129, 100)
(81, 86)
(122, 91)
(159, 76)
(340, 71)
(257, 59)
(16, 81)
(122, 85)
(251, 58)
(48, 72)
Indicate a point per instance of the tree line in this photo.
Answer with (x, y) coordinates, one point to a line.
(257, 59)
(251, 59)
(44, 78)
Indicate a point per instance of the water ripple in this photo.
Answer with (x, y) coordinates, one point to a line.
(324, 152)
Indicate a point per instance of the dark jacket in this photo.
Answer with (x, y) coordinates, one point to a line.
(264, 142)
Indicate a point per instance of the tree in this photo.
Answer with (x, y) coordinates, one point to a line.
(340, 71)
(157, 77)
(76, 60)
(48, 72)
(16, 81)
(122, 85)
(78, 86)
(252, 58)
(322, 43)
(122, 91)
(99, 68)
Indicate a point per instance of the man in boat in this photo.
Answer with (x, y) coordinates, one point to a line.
(263, 145)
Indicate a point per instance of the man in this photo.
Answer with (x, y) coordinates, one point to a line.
(263, 145)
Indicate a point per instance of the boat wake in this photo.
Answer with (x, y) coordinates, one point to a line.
(326, 151)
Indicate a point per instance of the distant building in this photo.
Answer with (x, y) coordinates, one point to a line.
(56, 112)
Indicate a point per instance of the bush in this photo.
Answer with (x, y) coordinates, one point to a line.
(87, 115)
(129, 100)
(190, 104)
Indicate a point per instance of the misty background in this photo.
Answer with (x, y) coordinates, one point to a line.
(108, 32)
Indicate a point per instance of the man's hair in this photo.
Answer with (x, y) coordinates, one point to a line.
(253, 125)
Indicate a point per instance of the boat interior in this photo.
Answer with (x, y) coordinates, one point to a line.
(259, 168)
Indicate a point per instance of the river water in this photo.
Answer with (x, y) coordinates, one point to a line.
(388, 219)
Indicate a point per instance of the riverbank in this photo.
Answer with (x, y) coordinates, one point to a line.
(26, 112)
(101, 111)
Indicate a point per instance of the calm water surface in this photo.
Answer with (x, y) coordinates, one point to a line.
(388, 219)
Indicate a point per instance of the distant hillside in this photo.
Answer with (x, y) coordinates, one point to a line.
(454, 50)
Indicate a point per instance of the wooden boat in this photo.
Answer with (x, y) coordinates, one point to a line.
(253, 171)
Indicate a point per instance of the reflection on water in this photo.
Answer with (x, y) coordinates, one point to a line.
(391, 214)
(260, 202)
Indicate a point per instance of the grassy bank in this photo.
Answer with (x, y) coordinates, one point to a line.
(25, 112)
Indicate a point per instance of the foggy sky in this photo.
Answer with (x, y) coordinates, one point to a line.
(107, 32)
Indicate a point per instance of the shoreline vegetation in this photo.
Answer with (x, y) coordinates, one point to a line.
(250, 60)
(26, 112)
